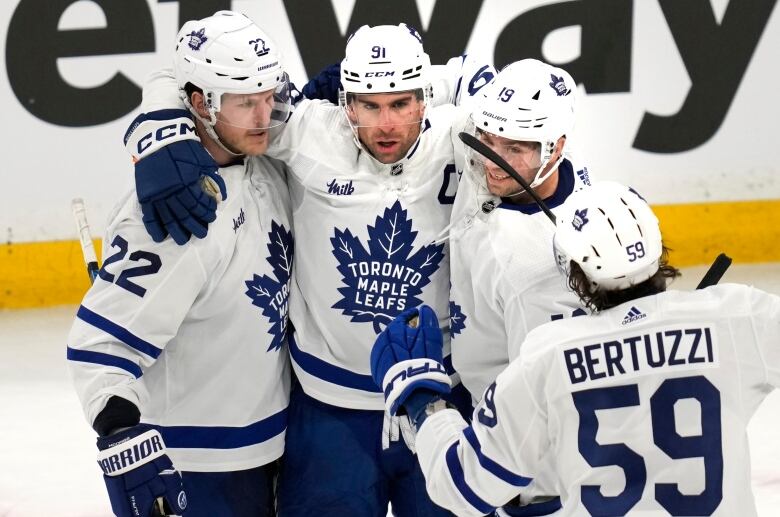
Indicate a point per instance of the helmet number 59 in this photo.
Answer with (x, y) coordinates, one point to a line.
(635, 251)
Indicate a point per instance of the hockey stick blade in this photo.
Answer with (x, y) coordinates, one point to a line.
(715, 272)
(160, 508)
(82, 227)
(490, 154)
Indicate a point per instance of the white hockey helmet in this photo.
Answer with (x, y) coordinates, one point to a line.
(610, 231)
(228, 53)
(528, 101)
(385, 59)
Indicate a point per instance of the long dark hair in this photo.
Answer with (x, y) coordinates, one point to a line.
(597, 299)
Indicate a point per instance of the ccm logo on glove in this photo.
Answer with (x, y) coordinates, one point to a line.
(182, 128)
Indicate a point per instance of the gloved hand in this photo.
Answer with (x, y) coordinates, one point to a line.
(407, 359)
(137, 472)
(172, 168)
(325, 85)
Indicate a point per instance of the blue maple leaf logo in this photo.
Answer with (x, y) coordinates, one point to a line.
(457, 319)
(271, 294)
(197, 38)
(559, 85)
(580, 219)
(382, 281)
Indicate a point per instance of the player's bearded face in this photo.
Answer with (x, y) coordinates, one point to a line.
(387, 124)
(524, 157)
(243, 121)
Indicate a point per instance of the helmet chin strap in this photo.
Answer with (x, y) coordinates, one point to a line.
(539, 178)
(209, 124)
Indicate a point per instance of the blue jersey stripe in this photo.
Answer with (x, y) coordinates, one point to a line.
(121, 333)
(201, 437)
(456, 473)
(447, 360)
(490, 465)
(329, 372)
(86, 356)
(534, 509)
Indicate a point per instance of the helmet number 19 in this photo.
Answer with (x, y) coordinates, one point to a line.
(505, 94)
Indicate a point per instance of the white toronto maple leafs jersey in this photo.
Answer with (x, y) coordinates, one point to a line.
(644, 408)
(194, 335)
(367, 234)
(504, 278)
(366, 237)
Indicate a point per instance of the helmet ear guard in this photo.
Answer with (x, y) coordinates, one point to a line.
(610, 231)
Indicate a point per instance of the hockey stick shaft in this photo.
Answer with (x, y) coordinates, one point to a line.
(490, 154)
(90, 258)
(87, 248)
(715, 272)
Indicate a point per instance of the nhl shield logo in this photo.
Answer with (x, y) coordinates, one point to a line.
(580, 219)
(197, 38)
(558, 84)
(259, 47)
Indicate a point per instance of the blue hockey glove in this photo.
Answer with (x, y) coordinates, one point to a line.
(172, 168)
(407, 358)
(325, 85)
(137, 472)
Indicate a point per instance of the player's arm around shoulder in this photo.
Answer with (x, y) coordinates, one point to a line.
(161, 91)
(311, 126)
(460, 78)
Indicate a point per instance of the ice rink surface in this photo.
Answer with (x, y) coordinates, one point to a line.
(47, 450)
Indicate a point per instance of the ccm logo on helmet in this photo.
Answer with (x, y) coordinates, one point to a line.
(163, 133)
(379, 74)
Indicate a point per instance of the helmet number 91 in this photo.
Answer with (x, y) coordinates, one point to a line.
(377, 52)
(635, 251)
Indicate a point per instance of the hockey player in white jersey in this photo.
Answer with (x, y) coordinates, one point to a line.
(178, 352)
(504, 280)
(369, 183)
(644, 404)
